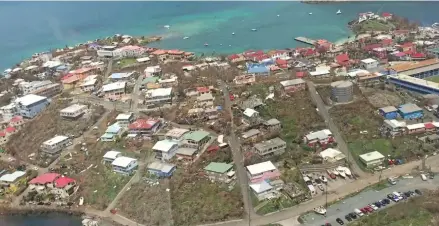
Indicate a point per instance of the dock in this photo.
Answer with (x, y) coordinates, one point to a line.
(305, 40)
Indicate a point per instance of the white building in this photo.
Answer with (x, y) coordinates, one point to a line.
(369, 63)
(74, 111)
(124, 165)
(8, 111)
(176, 134)
(263, 190)
(106, 51)
(89, 83)
(165, 149)
(332, 155)
(372, 158)
(30, 105)
(125, 119)
(115, 90)
(31, 87)
(55, 145)
(11, 178)
(112, 155)
(160, 95)
(205, 100)
(153, 71)
(129, 51)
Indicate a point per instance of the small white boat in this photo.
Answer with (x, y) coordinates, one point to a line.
(323, 178)
(347, 171)
(320, 210)
(335, 172)
(309, 13)
(221, 44)
(186, 37)
(167, 26)
(341, 172)
(206, 44)
(254, 29)
(338, 12)
(233, 33)
(320, 186)
(81, 201)
(278, 15)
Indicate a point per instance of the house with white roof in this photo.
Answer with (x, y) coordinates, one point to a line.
(250, 116)
(73, 111)
(262, 171)
(8, 111)
(114, 91)
(11, 178)
(30, 105)
(263, 190)
(176, 134)
(55, 145)
(205, 100)
(332, 155)
(112, 155)
(372, 159)
(165, 149)
(124, 165)
(159, 96)
(124, 119)
(416, 128)
(153, 71)
(129, 51)
(393, 127)
(322, 138)
(369, 63)
(89, 84)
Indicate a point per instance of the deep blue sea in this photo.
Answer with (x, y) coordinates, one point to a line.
(29, 27)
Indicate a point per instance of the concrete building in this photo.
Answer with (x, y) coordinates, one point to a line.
(161, 169)
(272, 124)
(55, 145)
(263, 190)
(262, 171)
(293, 85)
(274, 146)
(30, 105)
(165, 149)
(342, 91)
(414, 84)
(251, 135)
(158, 96)
(124, 165)
(372, 159)
(196, 139)
(219, 171)
(410, 111)
(112, 155)
(205, 100)
(146, 127)
(369, 63)
(112, 132)
(89, 84)
(106, 51)
(176, 134)
(74, 111)
(322, 138)
(42, 88)
(10, 179)
(393, 128)
(250, 116)
(114, 91)
(124, 119)
(332, 155)
(188, 154)
(129, 51)
(389, 112)
(417, 69)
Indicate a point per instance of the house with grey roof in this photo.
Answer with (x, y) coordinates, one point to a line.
(251, 135)
(274, 146)
(272, 124)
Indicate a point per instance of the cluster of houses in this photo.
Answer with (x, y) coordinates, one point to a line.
(27, 106)
(53, 183)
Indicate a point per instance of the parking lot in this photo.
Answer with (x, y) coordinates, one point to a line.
(342, 208)
(332, 185)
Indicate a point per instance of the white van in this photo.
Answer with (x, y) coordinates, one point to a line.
(358, 212)
(423, 177)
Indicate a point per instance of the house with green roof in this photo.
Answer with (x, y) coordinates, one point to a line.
(220, 171)
(196, 139)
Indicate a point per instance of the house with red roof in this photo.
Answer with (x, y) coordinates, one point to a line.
(300, 74)
(386, 42)
(144, 126)
(308, 52)
(342, 59)
(43, 182)
(370, 47)
(203, 90)
(160, 54)
(175, 54)
(64, 186)
(323, 43)
(282, 63)
(16, 121)
(10, 130)
(386, 16)
(278, 54)
(408, 46)
(236, 58)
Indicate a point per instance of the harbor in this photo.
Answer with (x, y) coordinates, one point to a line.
(305, 40)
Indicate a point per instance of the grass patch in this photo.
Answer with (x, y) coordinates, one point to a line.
(380, 185)
(276, 205)
(127, 62)
(433, 79)
(371, 25)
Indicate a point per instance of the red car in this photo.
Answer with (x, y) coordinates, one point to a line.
(231, 97)
(363, 210)
(369, 209)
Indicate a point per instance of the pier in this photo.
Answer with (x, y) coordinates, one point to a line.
(305, 40)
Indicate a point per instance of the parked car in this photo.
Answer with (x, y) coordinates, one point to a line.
(353, 215)
(348, 217)
(385, 201)
(417, 191)
(391, 180)
(358, 212)
(423, 177)
(363, 210)
(373, 206)
(378, 204)
(340, 221)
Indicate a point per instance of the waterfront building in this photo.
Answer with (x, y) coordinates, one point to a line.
(417, 69)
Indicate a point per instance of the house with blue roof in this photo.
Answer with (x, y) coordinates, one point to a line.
(121, 76)
(410, 111)
(258, 69)
(389, 112)
(112, 132)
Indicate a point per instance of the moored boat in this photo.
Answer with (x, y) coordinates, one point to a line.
(323, 178)
(320, 210)
(338, 12)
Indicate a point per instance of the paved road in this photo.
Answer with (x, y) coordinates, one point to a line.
(135, 94)
(341, 144)
(367, 197)
(355, 186)
(238, 159)
(109, 68)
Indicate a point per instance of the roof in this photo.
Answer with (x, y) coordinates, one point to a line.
(371, 156)
(124, 116)
(161, 166)
(153, 69)
(164, 145)
(267, 144)
(261, 187)
(143, 124)
(319, 72)
(218, 167)
(143, 59)
(409, 108)
(395, 123)
(300, 74)
(107, 136)
(122, 161)
(332, 153)
(10, 129)
(388, 109)
(417, 55)
(114, 86)
(429, 125)
(196, 135)
(89, 82)
(385, 14)
(261, 167)
(186, 151)
(176, 132)
(249, 112)
(112, 154)
(63, 181)
(205, 97)
(11, 177)
(292, 82)
(16, 118)
(160, 92)
(45, 178)
(322, 134)
(55, 140)
(342, 58)
(30, 99)
(121, 75)
(73, 108)
(416, 126)
(250, 133)
(368, 61)
(115, 128)
(414, 65)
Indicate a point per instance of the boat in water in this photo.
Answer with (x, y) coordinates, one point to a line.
(206, 44)
(186, 37)
(167, 26)
(233, 33)
(338, 12)
(320, 210)
(278, 15)
(254, 29)
(435, 26)
(309, 13)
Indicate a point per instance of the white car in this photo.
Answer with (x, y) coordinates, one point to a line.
(373, 207)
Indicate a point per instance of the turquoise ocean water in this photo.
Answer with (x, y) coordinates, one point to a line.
(29, 27)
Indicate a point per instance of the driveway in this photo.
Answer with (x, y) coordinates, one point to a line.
(361, 200)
